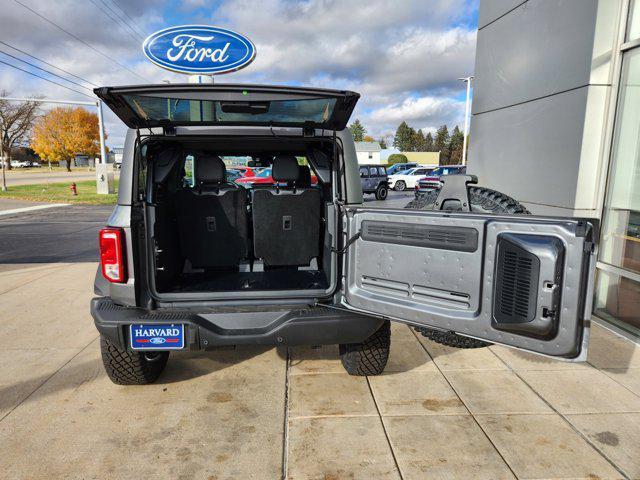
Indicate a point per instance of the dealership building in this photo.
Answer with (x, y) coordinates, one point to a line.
(556, 125)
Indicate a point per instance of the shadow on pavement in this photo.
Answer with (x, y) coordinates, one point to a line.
(181, 367)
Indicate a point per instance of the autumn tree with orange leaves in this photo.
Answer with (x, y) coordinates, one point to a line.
(63, 133)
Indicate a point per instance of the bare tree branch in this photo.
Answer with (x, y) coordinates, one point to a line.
(16, 121)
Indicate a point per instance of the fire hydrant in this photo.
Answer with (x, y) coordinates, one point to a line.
(74, 188)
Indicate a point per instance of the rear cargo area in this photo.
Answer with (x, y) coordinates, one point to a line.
(208, 234)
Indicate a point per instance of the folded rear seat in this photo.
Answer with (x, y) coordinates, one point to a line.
(287, 219)
(212, 217)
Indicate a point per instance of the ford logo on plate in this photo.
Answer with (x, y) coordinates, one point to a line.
(199, 49)
(157, 340)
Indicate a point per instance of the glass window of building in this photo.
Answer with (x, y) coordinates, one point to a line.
(618, 293)
(633, 26)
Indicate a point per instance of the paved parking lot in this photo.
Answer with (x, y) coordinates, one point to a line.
(259, 413)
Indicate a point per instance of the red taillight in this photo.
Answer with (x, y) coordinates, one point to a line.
(112, 258)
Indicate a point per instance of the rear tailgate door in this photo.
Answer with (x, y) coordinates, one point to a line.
(148, 106)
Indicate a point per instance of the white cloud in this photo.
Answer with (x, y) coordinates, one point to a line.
(404, 57)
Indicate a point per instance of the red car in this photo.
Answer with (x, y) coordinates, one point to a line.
(246, 171)
(262, 178)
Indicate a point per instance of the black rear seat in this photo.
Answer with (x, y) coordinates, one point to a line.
(212, 217)
(286, 220)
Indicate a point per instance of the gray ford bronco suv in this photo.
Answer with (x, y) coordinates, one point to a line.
(192, 261)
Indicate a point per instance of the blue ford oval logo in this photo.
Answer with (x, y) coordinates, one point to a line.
(157, 340)
(199, 49)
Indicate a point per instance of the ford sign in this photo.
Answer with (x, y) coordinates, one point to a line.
(199, 50)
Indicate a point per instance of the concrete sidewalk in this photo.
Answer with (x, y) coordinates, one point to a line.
(256, 412)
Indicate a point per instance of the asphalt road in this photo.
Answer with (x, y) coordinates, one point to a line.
(64, 234)
(15, 177)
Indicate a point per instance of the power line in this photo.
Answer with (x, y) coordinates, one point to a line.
(47, 63)
(45, 79)
(115, 20)
(45, 70)
(78, 39)
(138, 36)
(133, 22)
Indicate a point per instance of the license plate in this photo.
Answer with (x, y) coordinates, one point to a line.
(156, 336)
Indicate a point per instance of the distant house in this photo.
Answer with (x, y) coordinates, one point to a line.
(368, 152)
(423, 158)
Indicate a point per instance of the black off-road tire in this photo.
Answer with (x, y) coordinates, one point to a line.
(131, 368)
(483, 200)
(400, 186)
(381, 192)
(369, 357)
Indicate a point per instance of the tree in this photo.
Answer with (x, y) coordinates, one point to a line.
(405, 138)
(441, 144)
(368, 138)
(397, 158)
(383, 143)
(455, 146)
(428, 143)
(357, 130)
(16, 121)
(63, 133)
(419, 142)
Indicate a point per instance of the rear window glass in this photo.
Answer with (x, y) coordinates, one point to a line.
(382, 171)
(364, 172)
(373, 171)
(189, 180)
(186, 111)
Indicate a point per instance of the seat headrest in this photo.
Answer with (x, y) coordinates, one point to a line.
(285, 168)
(210, 169)
(304, 176)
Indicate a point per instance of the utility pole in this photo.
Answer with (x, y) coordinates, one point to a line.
(467, 111)
(4, 178)
(103, 150)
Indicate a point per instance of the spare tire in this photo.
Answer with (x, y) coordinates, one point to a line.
(483, 200)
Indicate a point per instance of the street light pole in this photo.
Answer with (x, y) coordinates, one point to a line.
(466, 118)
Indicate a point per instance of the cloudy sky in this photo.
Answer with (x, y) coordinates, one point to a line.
(403, 56)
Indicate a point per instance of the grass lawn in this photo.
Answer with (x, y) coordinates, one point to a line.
(61, 193)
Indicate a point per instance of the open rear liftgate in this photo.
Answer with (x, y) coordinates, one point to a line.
(517, 280)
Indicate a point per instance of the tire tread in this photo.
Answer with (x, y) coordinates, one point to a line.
(130, 368)
(369, 357)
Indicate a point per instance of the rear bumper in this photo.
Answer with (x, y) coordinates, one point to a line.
(205, 330)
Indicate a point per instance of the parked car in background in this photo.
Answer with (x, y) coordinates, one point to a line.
(262, 178)
(374, 180)
(245, 171)
(233, 174)
(432, 180)
(20, 164)
(407, 178)
(399, 167)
